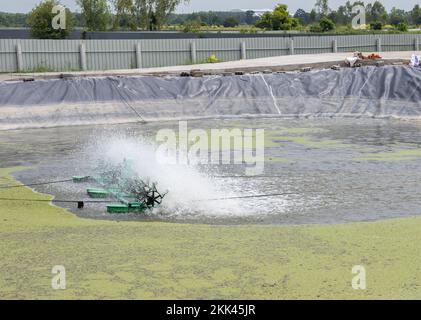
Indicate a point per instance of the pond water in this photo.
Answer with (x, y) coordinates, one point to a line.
(322, 171)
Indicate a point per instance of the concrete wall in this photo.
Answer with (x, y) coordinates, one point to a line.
(72, 55)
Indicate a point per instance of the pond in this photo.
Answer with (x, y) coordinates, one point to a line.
(316, 171)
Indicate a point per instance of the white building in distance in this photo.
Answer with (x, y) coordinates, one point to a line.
(257, 12)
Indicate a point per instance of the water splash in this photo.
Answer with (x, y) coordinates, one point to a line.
(189, 189)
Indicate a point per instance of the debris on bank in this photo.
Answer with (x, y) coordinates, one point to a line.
(356, 59)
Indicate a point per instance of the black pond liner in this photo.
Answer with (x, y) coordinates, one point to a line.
(378, 92)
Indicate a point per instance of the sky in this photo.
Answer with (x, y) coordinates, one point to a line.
(215, 5)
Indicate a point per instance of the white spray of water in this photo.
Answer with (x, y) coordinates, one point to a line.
(188, 189)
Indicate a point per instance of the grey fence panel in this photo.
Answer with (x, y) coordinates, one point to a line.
(50, 55)
(223, 49)
(112, 54)
(65, 55)
(159, 53)
(364, 43)
(266, 47)
(8, 61)
(399, 42)
(312, 45)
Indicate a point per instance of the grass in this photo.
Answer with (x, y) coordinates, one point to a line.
(138, 260)
(41, 68)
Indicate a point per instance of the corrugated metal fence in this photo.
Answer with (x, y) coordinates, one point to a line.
(72, 55)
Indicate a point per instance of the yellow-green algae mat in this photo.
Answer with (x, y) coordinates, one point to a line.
(139, 260)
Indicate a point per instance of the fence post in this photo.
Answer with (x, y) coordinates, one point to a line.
(193, 52)
(416, 44)
(138, 56)
(335, 46)
(291, 46)
(19, 58)
(82, 53)
(243, 51)
(379, 44)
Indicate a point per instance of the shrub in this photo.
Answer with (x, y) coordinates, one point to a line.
(376, 25)
(212, 59)
(231, 22)
(326, 24)
(315, 28)
(191, 26)
(403, 27)
(248, 31)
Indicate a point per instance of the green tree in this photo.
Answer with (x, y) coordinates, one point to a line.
(124, 15)
(322, 7)
(313, 16)
(152, 14)
(212, 19)
(279, 19)
(250, 17)
(334, 16)
(397, 16)
(95, 14)
(344, 13)
(340, 16)
(230, 22)
(302, 16)
(416, 15)
(40, 21)
(265, 21)
(326, 24)
(376, 12)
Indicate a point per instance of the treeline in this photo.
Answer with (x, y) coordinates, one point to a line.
(210, 18)
(343, 15)
(104, 15)
(322, 18)
(215, 18)
(13, 19)
(20, 20)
